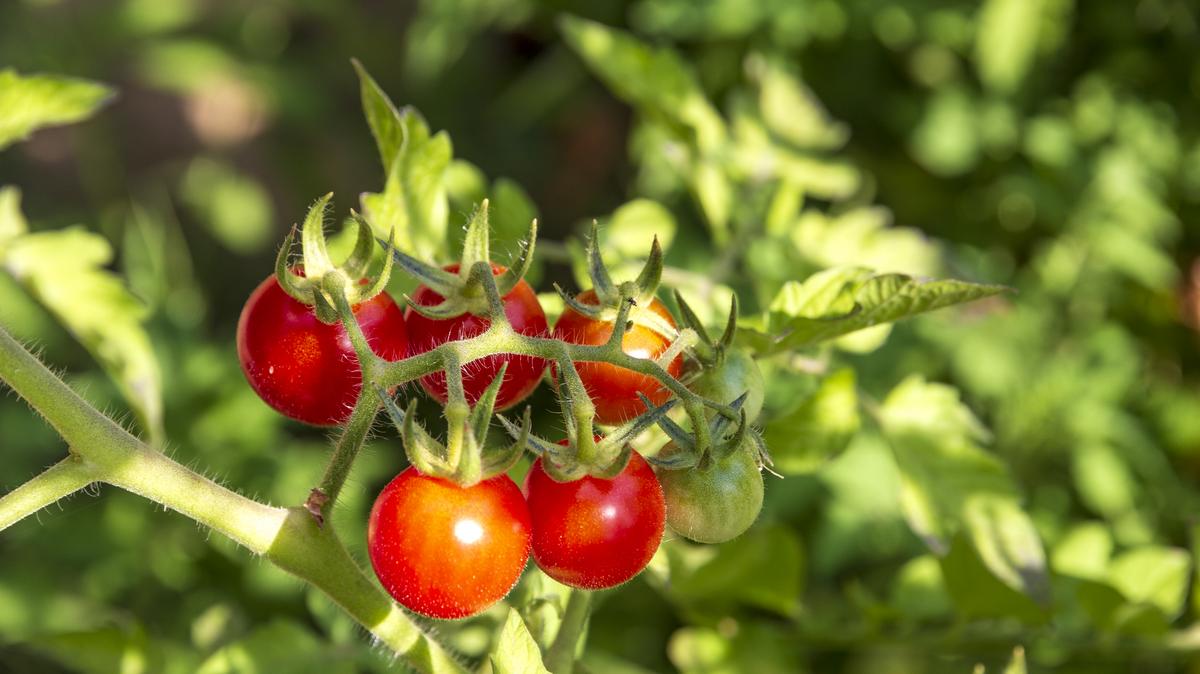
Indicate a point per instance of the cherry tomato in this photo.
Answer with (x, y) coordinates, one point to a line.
(593, 533)
(737, 374)
(447, 551)
(614, 390)
(304, 368)
(717, 502)
(523, 374)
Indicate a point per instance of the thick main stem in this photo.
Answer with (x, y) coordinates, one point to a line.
(103, 451)
(560, 657)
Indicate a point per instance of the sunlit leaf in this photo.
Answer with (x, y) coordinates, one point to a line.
(413, 202)
(839, 301)
(516, 652)
(950, 485)
(1006, 41)
(1154, 575)
(66, 271)
(803, 439)
(30, 102)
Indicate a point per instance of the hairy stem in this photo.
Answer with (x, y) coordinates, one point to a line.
(58, 481)
(346, 449)
(290, 538)
(560, 657)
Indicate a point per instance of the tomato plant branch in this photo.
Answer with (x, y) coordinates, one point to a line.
(56, 482)
(321, 500)
(560, 657)
(103, 451)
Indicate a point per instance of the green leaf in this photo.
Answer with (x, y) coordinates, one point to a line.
(792, 111)
(1083, 552)
(839, 301)
(386, 122)
(819, 428)
(1154, 575)
(763, 567)
(516, 652)
(950, 485)
(34, 101)
(657, 81)
(413, 202)
(1006, 42)
(12, 221)
(65, 271)
(280, 646)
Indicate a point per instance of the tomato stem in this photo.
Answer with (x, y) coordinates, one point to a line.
(560, 657)
(346, 450)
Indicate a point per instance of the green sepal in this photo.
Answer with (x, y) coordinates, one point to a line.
(602, 283)
(615, 466)
(730, 333)
(481, 414)
(437, 279)
(476, 242)
(651, 275)
(359, 260)
(691, 320)
(508, 280)
(593, 311)
(425, 454)
(531, 442)
(318, 269)
(503, 459)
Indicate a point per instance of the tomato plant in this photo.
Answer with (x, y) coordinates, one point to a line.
(594, 533)
(523, 373)
(304, 368)
(614, 390)
(447, 551)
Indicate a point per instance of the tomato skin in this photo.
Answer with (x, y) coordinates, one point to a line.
(524, 312)
(737, 374)
(446, 551)
(716, 503)
(304, 368)
(614, 389)
(593, 533)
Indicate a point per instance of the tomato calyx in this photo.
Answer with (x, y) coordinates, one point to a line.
(464, 458)
(727, 435)
(473, 288)
(612, 297)
(320, 283)
(583, 452)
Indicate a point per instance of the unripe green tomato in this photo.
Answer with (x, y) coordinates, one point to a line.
(715, 503)
(737, 374)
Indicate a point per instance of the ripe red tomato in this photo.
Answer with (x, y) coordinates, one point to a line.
(304, 368)
(527, 318)
(446, 551)
(593, 533)
(614, 389)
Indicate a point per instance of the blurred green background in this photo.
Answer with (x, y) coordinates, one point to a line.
(1050, 145)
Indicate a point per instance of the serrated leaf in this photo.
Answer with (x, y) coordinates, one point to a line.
(839, 301)
(516, 652)
(30, 102)
(386, 122)
(413, 202)
(950, 485)
(805, 438)
(65, 271)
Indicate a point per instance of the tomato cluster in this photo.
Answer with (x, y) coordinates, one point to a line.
(447, 546)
